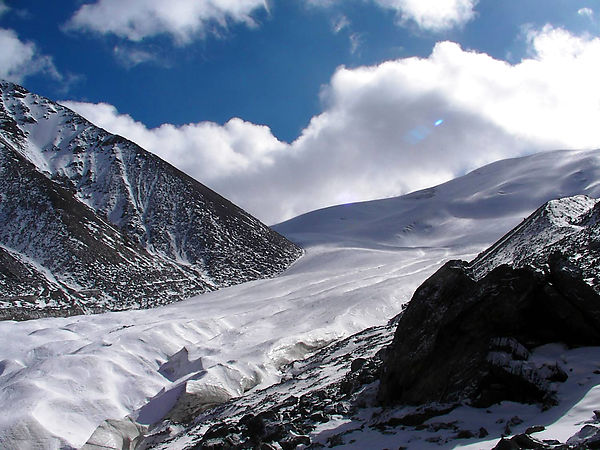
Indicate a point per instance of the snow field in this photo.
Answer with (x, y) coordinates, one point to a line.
(60, 378)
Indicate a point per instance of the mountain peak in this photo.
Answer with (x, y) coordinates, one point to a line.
(91, 221)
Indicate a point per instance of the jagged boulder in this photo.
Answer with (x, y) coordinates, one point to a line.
(465, 340)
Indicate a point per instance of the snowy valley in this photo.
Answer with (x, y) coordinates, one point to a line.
(301, 348)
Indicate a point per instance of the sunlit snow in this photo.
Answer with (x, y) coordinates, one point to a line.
(61, 377)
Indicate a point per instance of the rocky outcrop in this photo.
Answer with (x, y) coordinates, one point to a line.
(90, 221)
(586, 438)
(468, 330)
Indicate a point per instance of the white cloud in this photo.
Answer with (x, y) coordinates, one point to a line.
(131, 57)
(434, 15)
(182, 19)
(340, 23)
(356, 40)
(377, 135)
(586, 12)
(20, 59)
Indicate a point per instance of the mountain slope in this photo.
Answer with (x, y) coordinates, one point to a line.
(460, 344)
(556, 227)
(90, 221)
(464, 211)
(60, 378)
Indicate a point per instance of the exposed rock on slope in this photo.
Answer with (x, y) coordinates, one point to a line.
(555, 226)
(468, 330)
(90, 221)
(328, 385)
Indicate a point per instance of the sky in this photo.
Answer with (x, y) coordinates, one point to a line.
(286, 106)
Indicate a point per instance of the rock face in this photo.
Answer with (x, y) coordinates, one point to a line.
(89, 221)
(468, 330)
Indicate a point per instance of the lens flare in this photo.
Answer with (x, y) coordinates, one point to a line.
(438, 122)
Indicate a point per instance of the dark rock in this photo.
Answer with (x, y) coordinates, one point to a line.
(335, 441)
(255, 427)
(357, 364)
(437, 426)
(506, 444)
(274, 432)
(568, 280)
(319, 417)
(526, 441)
(267, 446)
(535, 429)
(482, 433)
(294, 440)
(217, 431)
(554, 373)
(464, 434)
(587, 437)
(462, 340)
(515, 420)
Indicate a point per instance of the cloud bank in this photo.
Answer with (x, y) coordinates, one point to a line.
(181, 19)
(389, 129)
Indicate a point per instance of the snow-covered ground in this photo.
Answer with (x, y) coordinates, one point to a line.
(61, 377)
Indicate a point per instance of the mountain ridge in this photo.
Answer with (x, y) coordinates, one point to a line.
(127, 218)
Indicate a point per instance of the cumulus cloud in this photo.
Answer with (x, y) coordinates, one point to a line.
(586, 12)
(181, 19)
(431, 15)
(392, 128)
(434, 15)
(19, 59)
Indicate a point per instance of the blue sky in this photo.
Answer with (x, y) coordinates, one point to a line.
(274, 90)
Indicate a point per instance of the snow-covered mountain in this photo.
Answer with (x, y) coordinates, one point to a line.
(568, 226)
(60, 378)
(480, 352)
(91, 222)
(467, 210)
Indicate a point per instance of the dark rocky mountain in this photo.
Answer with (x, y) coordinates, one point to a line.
(91, 222)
